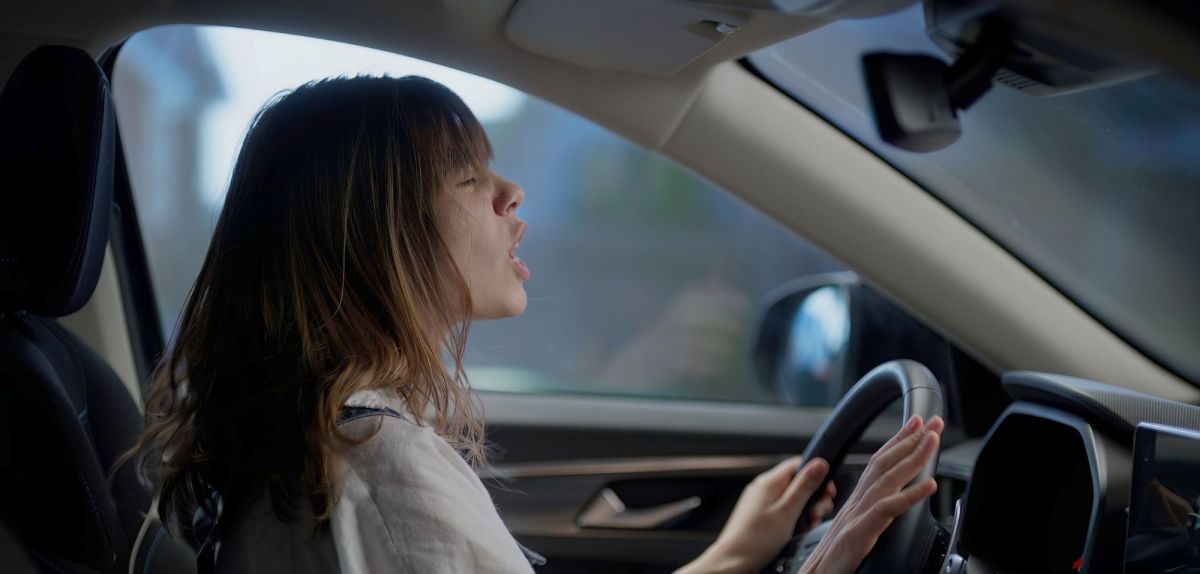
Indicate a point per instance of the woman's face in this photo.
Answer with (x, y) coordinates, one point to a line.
(482, 231)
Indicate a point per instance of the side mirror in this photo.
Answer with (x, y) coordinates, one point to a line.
(819, 335)
(803, 340)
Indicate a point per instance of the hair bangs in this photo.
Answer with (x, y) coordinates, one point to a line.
(465, 145)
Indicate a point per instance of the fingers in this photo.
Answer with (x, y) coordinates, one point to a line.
(783, 470)
(906, 468)
(805, 484)
(901, 445)
(899, 503)
(889, 454)
(894, 448)
(911, 428)
(822, 509)
(936, 424)
(872, 523)
(773, 482)
(878, 479)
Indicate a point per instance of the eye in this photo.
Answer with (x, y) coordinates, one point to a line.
(468, 182)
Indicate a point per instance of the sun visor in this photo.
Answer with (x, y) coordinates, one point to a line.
(661, 37)
(648, 36)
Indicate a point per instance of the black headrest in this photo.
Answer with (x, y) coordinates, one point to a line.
(57, 146)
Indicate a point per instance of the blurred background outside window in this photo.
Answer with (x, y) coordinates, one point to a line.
(647, 281)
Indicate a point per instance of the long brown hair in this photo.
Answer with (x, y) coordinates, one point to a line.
(326, 275)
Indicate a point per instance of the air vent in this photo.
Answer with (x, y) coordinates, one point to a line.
(1014, 80)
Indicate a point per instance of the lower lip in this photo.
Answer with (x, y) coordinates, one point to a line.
(522, 270)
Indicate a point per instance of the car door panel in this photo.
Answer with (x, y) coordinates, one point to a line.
(557, 455)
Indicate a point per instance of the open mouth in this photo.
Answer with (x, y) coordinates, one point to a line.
(522, 270)
(512, 253)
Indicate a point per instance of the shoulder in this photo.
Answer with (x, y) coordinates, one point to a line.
(399, 454)
(391, 433)
(408, 487)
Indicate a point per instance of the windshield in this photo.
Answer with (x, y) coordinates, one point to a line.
(1098, 191)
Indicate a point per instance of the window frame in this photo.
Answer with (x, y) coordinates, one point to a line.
(148, 340)
(129, 254)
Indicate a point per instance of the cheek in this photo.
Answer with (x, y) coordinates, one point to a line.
(458, 244)
(474, 253)
(460, 238)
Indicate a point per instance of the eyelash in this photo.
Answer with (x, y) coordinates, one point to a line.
(468, 182)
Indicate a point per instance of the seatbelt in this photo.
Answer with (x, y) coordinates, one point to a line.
(204, 526)
(151, 516)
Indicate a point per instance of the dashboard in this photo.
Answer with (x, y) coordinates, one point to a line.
(1050, 488)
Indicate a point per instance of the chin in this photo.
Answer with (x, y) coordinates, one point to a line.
(510, 306)
(518, 304)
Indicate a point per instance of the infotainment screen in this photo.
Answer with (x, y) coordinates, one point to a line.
(1164, 506)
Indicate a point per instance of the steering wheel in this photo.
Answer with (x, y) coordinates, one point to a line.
(914, 537)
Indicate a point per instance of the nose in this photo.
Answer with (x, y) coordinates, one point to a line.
(510, 197)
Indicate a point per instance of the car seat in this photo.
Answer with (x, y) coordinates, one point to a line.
(65, 416)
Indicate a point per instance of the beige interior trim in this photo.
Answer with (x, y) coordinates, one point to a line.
(675, 465)
(101, 324)
(548, 411)
(648, 465)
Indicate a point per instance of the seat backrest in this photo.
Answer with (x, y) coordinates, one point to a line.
(65, 416)
(15, 559)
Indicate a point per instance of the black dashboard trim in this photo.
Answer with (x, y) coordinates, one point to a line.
(1114, 410)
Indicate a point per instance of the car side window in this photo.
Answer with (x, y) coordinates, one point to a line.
(647, 281)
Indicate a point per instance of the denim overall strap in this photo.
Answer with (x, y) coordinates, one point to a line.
(351, 413)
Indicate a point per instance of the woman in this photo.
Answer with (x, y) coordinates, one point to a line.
(307, 402)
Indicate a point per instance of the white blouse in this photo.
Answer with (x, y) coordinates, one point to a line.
(408, 503)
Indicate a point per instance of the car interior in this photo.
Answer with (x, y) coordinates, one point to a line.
(995, 199)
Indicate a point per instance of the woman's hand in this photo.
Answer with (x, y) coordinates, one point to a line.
(880, 497)
(767, 512)
(765, 517)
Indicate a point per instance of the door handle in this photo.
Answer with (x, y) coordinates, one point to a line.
(608, 511)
